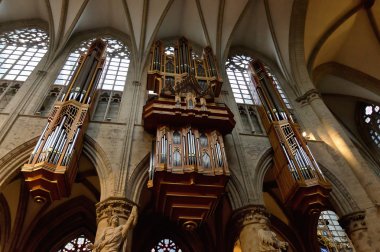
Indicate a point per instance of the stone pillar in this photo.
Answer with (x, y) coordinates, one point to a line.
(356, 228)
(253, 228)
(338, 138)
(115, 217)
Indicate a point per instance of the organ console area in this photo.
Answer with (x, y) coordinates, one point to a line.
(189, 168)
(301, 184)
(53, 164)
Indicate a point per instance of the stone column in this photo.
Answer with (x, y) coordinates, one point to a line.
(356, 228)
(115, 217)
(252, 225)
(343, 144)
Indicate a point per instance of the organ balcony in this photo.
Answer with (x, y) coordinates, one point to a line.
(189, 168)
(53, 164)
(301, 183)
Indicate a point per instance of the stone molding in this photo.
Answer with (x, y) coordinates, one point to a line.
(249, 215)
(354, 222)
(309, 96)
(114, 206)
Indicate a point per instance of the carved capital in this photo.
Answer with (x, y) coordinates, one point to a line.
(309, 96)
(114, 206)
(354, 222)
(249, 215)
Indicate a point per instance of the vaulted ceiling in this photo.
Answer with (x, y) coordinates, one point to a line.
(345, 32)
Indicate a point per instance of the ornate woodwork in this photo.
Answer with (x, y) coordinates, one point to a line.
(52, 166)
(302, 185)
(189, 168)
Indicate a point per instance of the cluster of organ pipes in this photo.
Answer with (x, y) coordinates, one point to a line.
(65, 123)
(183, 60)
(53, 164)
(301, 162)
(188, 150)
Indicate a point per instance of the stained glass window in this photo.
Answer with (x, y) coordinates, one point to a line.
(371, 118)
(114, 72)
(20, 52)
(331, 235)
(166, 245)
(79, 244)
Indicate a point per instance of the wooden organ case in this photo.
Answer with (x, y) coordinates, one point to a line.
(52, 166)
(302, 186)
(189, 168)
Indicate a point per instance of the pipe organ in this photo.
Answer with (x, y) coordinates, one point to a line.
(52, 166)
(302, 185)
(189, 168)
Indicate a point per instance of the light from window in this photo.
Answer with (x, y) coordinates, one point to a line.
(79, 244)
(330, 234)
(114, 72)
(166, 245)
(20, 52)
(240, 81)
(371, 117)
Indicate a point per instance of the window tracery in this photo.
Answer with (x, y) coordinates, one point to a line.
(20, 52)
(111, 83)
(371, 118)
(166, 245)
(78, 244)
(331, 235)
(238, 77)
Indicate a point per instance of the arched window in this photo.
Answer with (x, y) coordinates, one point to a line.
(238, 76)
(166, 245)
(370, 119)
(20, 52)
(78, 244)
(331, 235)
(111, 83)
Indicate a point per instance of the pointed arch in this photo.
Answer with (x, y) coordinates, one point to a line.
(60, 225)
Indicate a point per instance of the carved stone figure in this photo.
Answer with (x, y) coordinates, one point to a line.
(115, 234)
(268, 239)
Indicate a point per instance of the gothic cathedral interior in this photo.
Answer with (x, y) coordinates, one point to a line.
(189, 126)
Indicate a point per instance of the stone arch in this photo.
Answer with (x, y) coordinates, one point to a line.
(4, 222)
(265, 162)
(296, 47)
(60, 225)
(236, 193)
(138, 180)
(340, 198)
(12, 162)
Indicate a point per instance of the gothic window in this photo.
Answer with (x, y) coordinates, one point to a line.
(278, 87)
(238, 76)
(111, 83)
(331, 236)
(20, 52)
(114, 72)
(78, 244)
(370, 119)
(166, 245)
